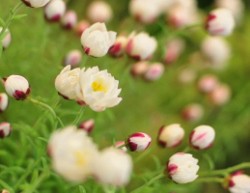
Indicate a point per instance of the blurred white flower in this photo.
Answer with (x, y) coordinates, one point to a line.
(113, 167)
(96, 40)
(220, 22)
(3, 102)
(67, 82)
(207, 83)
(7, 38)
(139, 68)
(73, 153)
(119, 46)
(154, 71)
(138, 141)
(183, 168)
(174, 49)
(87, 125)
(17, 86)
(54, 10)
(202, 137)
(220, 94)
(73, 58)
(239, 183)
(99, 11)
(69, 19)
(81, 27)
(170, 135)
(192, 112)
(5, 129)
(36, 3)
(141, 46)
(98, 89)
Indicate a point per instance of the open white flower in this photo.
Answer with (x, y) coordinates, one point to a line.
(96, 40)
(67, 82)
(35, 3)
(113, 167)
(99, 89)
(73, 153)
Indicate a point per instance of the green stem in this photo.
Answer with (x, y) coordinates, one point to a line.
(49, 108)
(209, 179)
(154, 179)
(79, 116)
(109, 189)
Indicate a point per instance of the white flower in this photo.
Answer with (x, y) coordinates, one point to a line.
(5, 129)
(141, 46)
(7, 38)
(139, 141)
(54, 10)
(220, 22)
(3, 101)
(96, 40)
(17, 86)
(99, 11)
(170, 135)
(73, 153)
(154, 71)
(119, 46)
(202, 137)
(35, 3)
(183, 168)
(99, 89)
(69, 19)
(67, 82)
(239, 183)
(113, 167)
(73, 58)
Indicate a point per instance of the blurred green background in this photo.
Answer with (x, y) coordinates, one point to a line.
(36, 52)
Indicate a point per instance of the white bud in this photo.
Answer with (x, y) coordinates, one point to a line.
(174, 49)
(69, 19)
(182, 168)
(96, 40)
(119, 46)
(170, 135)
(73, 58)
(220, 95)
(99, 11)
(202, 137)
(239, 183)
(36, 3)
(192, 112)
(17, 86)
(5, 129)
(81, 27)
(207, 83)
(220, 22)
(3, 102)
(54, 10)
(87, 125)
(154, 71)
(141, 46)
(138, 141)
(7, 38)
(139, 68)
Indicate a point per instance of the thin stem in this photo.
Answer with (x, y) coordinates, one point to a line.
(49, 108)
(79, 116)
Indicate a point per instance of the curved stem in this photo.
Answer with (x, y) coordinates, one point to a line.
(79, 116)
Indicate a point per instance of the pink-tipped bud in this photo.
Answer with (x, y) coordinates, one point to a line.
(87, 125)
(138, 141)
(35, 3)
(192, 112)
(54, 10)
(154, 72)
(121, 145)
(139, 68)
(174, 48)
(207, 83)
(7, 38)
(69, 20)
(202, 137)
(118, 47)
(220, 95)
(5, 129)
(81, 27)
(220, 22)
(170, 135)
(17, 86)
(99, 11)
(73, 58)
(239, 183)
(3, 102)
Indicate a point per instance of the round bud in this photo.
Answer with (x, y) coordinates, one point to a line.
(3, 101)
(118, 47)
(73, 58)
(81, 26)
(220, 94)
(192, 112)
(87, 125)
(154, 72)
(5, 129)
(207, 83)
(54, 10)
(6, 39)
(69, 19)
(99, 11)
(139, 68)
(239, 183)
(138, 141)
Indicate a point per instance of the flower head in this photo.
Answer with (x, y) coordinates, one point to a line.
(69, 19)
(36, 3)
(54, 10)
(6, 39)
(5, 129)
(138, 141)
(3, 102)
(99, 11)
(73, 58)
(239, 183)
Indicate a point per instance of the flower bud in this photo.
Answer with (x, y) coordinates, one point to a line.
(35, 3)
(207, 83)
(154, 71)
(87, 125)
(174, 49)
(7, 38)
(81, 27)
(139, 68)
(192, 112)
(220, 22)
(202, 137)
(141, 46)
(3, 102)
(220, 95)
(182, 168)
(138, 141)
(239, 183)
(170, 135)
(119, 46)
(99, 11)
(17, 86)
(54, 10)
(69, 19)
(73, 58)
(96, 40)
(5, 129)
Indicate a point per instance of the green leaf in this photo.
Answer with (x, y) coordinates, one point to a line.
(2, 23)
(82, 189)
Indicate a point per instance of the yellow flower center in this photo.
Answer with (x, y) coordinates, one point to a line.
(98, 86)
(80, 158)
